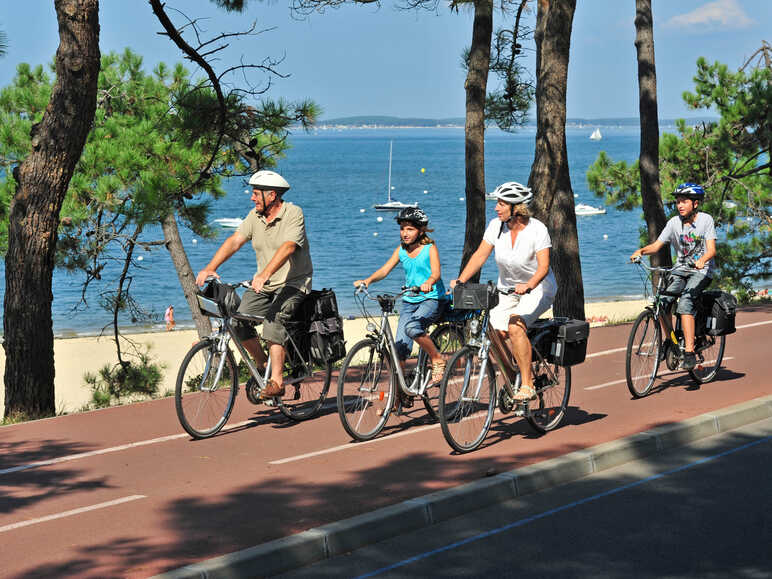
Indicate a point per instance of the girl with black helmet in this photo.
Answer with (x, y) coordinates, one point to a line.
(693, 236)
(522, 246)
(420, 259)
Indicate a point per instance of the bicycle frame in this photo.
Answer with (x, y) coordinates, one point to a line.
(502, 356)
(384, 337)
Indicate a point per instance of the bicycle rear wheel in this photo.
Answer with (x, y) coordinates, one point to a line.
(203, 400)
(711, 349)
(643, 351)
(366, 390)
(553, 389)
(467, 400)
(449, 340)
(304, 399)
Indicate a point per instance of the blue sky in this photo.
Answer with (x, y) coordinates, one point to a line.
(360, 60)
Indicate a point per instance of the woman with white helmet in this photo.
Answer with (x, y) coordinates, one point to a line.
(522, 245)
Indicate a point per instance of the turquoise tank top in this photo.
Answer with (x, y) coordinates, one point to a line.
(417, 271)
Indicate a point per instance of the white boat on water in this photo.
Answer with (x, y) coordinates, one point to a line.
(596, 136)
(584, 209)
(229, 222)
(392, 204)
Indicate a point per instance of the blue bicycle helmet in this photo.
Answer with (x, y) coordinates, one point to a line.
(690, 190)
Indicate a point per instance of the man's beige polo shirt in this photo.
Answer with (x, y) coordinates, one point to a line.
(289, 225)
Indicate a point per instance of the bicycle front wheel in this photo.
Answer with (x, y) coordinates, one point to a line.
(366, 390)
(448, 339)
(204, 399)
(553, 389)
(643, 351)
(304, 398)
(711, 350)
(467, 400)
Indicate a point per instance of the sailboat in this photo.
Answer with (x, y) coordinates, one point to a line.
(392, 204)
(596, 136)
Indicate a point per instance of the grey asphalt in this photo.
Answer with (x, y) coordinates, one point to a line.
(372, 541)
(701, 510)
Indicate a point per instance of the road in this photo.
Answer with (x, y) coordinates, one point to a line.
(704, 510)
(124, 492)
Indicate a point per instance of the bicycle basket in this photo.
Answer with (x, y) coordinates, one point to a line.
(217, 299)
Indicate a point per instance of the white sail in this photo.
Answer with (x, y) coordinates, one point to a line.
(596, 136)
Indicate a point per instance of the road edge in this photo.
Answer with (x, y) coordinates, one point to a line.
(333, 539)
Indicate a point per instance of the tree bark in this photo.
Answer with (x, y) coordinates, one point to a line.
(475, 86)
(43, 178)
(550, 178)
(184, 273)
(651, 198)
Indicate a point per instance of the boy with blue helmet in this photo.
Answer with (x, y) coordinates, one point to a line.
(693, 236)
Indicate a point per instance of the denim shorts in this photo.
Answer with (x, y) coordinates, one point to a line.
(689, 286)
(414, 321)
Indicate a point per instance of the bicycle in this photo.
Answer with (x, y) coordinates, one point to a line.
(208, 378)
(468, 392)
(372, 382)
(646, 349)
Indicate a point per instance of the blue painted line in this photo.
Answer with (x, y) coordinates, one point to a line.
(571, 505)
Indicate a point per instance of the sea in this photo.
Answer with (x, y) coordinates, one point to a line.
(337, 175)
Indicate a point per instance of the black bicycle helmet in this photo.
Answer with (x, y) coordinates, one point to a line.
(413, 215)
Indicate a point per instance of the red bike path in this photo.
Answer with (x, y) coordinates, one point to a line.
(125, 492)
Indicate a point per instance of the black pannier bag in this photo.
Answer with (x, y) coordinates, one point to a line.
(217, 299)
(475, 296)
(719, 309)
(570, 344)
(325, 331)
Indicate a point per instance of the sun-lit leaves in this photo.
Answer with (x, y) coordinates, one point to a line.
(730, 157)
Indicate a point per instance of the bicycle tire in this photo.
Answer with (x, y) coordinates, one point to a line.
(448, 340)
(712, 351)
(303, 400)
(552, 399)
(465, 422)
(643, 354)
(366, 390)
(201, 409)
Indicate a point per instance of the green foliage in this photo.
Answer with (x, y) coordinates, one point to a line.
(112, 383)
(729, 157)
(154, 150)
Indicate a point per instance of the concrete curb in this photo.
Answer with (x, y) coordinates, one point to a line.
(334, 539)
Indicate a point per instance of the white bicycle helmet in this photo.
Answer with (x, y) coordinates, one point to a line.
(513, 192)
(269, 180)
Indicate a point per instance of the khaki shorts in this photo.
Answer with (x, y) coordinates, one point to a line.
(528, 306)
(277, 308)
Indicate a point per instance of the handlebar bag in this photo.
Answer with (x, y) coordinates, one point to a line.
(475, 296)
(218, 300)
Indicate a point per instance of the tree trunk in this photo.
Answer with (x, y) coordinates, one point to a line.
(651, 198)
(476, 84)
(43, 178)
(550, 178)
(184, 273)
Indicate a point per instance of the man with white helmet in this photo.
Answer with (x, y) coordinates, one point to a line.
(283, 278)
(522, 246)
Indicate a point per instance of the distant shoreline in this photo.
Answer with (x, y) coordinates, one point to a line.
(387, 122)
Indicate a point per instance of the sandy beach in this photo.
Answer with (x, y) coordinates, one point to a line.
(76, 356)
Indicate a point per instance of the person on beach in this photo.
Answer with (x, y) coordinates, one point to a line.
(277, 231)
(169, 318)
(420, 259)
(692, 234)
(522, 246)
